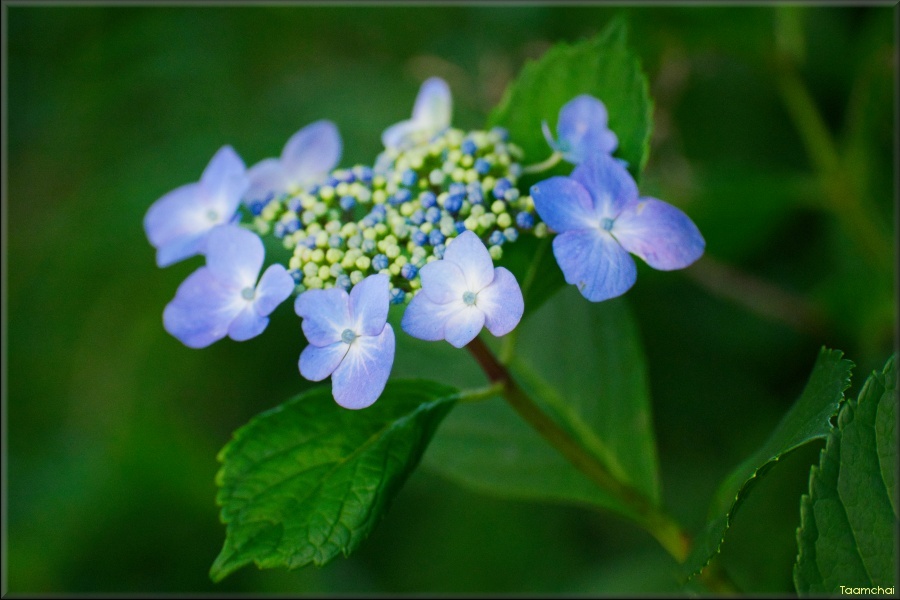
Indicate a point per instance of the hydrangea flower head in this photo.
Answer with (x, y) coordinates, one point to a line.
(599, 219)
(462, 293)
(306, 159)
(349, 339)
(223, 297)
(582, 130)
(178, 224)
(430, 116)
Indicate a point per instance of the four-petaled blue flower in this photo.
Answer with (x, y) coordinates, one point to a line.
(431, 115)
(223, 297)
(582, 130)
(599, 219)
(462, 293)
(178, 223)
(306, 160)
(349, 339)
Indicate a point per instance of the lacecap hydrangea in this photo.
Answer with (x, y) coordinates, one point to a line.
(421, 227)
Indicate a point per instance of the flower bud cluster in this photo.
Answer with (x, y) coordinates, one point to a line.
(398, 217)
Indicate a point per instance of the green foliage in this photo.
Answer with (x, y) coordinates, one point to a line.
(308, 480)
(848, 520)
(583, 363)
(604, 67)
(809, 419)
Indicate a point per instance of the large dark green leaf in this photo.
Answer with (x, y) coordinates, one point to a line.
(809, 419)
(308, 480)
(602, 66)
(848, 521)
(583, 364)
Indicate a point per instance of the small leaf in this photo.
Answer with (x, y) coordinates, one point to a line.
(584, 364)
(308, 480)
(848, 520)
(603, 67)
(809, 419)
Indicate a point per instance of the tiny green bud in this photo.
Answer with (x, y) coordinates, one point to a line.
(333, 255)
(540, 230)
(363, 262)
(326, 192)
(324, 273)
(504, 220)
(356, 277)
(498, 207)
(496, 252)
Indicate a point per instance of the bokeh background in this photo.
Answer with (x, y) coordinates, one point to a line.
(774, 129)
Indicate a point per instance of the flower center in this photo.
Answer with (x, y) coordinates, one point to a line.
(469, 298)
(212, 215)
(607, 224)
(348, 336)
(248, 293)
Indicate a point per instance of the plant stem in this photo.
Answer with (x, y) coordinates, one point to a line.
(540, 167)
(660, 525)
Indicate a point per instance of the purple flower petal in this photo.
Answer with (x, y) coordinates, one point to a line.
(563, 204)
(178, 222)
(398, 134)
(595, 263)
(311, 153)
(202, 310)
(501, 302)
(461, 328)
(425, 319)
(582, 129)
(275, 286)
(325, 313)
(659, 233)
(235, 256)
(247, 324)
(266, 177)
(369, 303)
(442, 281)
(224, 178)
(362, 375)
(469, 253)
(434, 104)
(318, 362)
(610, 185)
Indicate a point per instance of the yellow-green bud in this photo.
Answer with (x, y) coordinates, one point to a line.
(324, 273)
(326, 192)
(317, 255)
(540, 229)
(504, 220)
(496, 252)
(356, 277)
(334, 255)
(379, 197)
(498, 207)
(363, 262)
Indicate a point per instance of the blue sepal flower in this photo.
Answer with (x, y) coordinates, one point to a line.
(599, 219)
(349, 339)
(223, 297)
(462, 293)
(582, 130)
(306, 159)
(178, 224)
(430, 116)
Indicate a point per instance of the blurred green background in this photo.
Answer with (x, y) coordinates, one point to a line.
(774, 129)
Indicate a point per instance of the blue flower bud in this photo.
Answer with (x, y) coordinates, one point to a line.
(348, 202)
(457, 188)
(482, 167)
(257, 206)
(500, 187)
(409, 271)
(511, 234)
(435, 237)
(279, 230)
(294, 205)
(335, 241)
(313, 190)
(460, 226)
(363, 173)
(332, 181)
(343, 281)
(525, 220)
(397, 296)
(419, 237)
(418, 217)
(496, 239)
(427, 199)
(409, 178)
(468, 147)
(368, 246)
(380, 261)
(454, 202)
(296, 275)
(439, 250)
(433, 215)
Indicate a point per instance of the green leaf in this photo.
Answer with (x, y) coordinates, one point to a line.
(308, 480)
(809, 419)
(603, 67)
(848, 519)
(584, 364)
